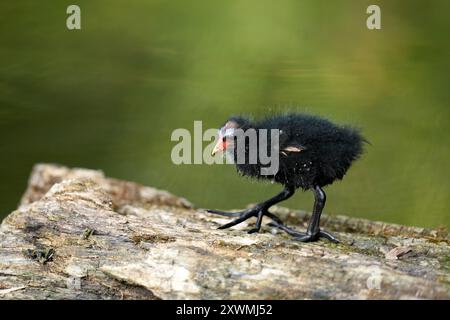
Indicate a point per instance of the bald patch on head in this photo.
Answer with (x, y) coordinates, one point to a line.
(231, 124)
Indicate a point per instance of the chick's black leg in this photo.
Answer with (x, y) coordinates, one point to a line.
(258, 211)
(313, 233)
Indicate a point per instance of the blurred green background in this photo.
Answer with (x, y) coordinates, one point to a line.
(108, 96)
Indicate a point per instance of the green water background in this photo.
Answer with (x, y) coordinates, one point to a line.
(108, 96)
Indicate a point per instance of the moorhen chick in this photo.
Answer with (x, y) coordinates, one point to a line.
(313, 153)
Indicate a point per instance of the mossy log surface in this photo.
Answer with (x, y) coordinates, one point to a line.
(80, 235)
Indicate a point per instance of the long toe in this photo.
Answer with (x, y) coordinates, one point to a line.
(254, 230)
(242, 217)
(329, 236)
(286, 229)
(317, 236)
(306, 238)
(225, 214)
(273, 217)
(302, 236)
(256, 211)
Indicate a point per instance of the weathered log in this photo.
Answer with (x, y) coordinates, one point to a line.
(80, 235)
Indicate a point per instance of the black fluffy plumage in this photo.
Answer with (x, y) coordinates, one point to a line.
(313, 153)
(328, 149)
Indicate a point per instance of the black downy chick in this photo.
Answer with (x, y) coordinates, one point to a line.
(313, 153)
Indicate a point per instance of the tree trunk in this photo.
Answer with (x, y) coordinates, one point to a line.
(80, 235)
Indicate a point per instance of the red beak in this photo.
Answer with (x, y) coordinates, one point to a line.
(220, 146)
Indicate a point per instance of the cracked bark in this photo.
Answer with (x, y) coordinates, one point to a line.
(80, 235)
